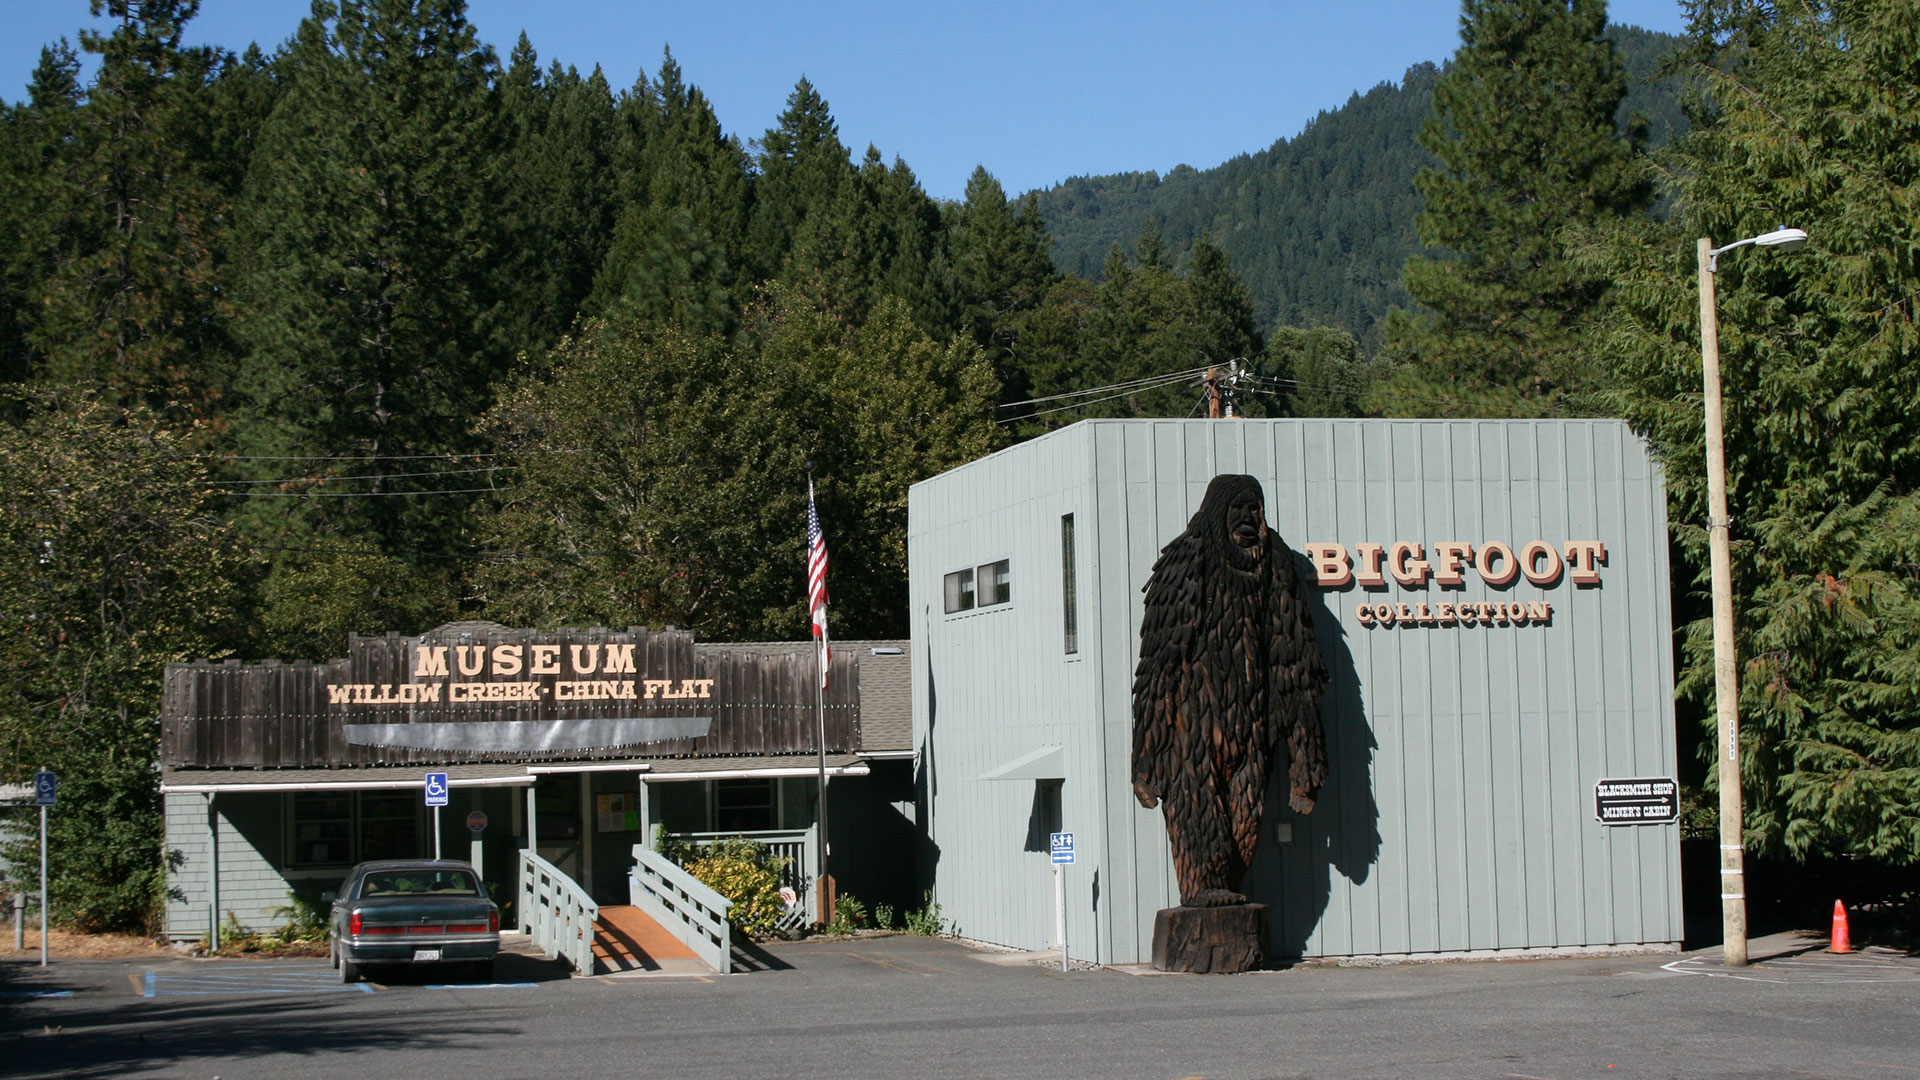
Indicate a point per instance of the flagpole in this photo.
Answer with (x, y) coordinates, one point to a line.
(822, 651)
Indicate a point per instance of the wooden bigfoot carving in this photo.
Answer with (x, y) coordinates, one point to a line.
(1229, 669)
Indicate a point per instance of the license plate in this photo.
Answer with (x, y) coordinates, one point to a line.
(425, 954)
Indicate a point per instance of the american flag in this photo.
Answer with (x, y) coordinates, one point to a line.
(817, 578)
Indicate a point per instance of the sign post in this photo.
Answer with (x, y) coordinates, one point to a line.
(436, 798)
(476, 824)
(46, 788)
(1061, 845)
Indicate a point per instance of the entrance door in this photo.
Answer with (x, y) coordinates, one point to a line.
(556, 804)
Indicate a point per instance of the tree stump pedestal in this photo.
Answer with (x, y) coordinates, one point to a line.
(1210, 940)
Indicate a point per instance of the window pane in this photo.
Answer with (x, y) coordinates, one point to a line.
(959, 591)
(389, 825)
(322, 829)
(1068, 587)
(996, 583)
(743, 805)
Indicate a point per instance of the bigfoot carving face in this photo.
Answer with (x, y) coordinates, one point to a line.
(1247, 525)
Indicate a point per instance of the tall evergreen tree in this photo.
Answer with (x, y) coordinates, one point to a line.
(369, 309)
(1810, 120)
(33, 137)
(1221, 320)
(1001, 260)
(682, 229)
(134, 299)
(804, 168)
(1523, 126)
(556, 194)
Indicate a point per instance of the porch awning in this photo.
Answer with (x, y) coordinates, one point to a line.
(250, 781)
(1045, 763)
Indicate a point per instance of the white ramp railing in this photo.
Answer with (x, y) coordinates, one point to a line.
(678, 901)
(558, 913)
(796, 850)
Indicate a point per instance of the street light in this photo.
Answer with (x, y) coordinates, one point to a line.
(1733, 891)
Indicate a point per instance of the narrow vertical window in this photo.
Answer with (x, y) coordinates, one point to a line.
(1068, 592)
(993, 583)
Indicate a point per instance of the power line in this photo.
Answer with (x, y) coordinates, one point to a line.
(351, 494)
(372, 457)
(1156, 379)
(373, 476)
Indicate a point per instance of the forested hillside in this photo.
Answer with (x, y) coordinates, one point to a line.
(1318, 225)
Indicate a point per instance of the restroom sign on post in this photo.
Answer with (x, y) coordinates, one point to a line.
(1061, 844)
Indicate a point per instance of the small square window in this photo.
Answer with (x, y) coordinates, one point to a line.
(996, 583)
(959, 591)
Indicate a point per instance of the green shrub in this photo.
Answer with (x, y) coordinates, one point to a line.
(306, 919)
(883, 916)
(849, 914)
(740, 870)
(927, 922)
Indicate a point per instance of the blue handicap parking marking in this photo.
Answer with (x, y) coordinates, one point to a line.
(241, 980)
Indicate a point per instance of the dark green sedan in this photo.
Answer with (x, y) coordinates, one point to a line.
(406, 912)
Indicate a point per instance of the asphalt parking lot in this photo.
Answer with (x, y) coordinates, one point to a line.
(905, 1006)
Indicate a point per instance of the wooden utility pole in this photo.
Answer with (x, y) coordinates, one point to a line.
(1733, 891)
(1213, 393)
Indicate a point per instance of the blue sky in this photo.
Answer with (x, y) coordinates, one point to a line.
(1037, 91)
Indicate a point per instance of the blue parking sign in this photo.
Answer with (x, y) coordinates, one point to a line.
(46, 787)
(436, 789)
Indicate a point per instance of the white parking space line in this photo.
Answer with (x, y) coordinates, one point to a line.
(480, 986)
(243, 979)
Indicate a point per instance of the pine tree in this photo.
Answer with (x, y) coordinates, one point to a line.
(134, 299)
(682, 230)
(1221, 318)
(1523, 127)
(1810, 120)
(557, 195)
(33, 135)
(1001, 260)
(804, 168)
(371, 232)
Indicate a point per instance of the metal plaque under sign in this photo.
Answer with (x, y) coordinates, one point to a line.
(46, 787)
(436, 789)
(1651, 800)
(477, 822)
(1061, 844)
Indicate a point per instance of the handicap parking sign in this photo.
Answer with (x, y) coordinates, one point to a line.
(46, 786)
(1061, 844)
(436, 789)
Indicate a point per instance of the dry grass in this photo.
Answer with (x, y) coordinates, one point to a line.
(64, 944)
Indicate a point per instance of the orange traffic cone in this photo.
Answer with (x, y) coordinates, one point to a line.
(1842, 942)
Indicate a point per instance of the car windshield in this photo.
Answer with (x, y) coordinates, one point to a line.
(422, 882)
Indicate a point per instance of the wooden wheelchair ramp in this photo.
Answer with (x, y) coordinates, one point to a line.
(627, 942)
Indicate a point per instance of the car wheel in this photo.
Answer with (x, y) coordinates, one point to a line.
(333, 955)
(349, 971)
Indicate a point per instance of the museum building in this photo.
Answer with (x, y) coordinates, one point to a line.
(571, 744)
(1490, 598)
